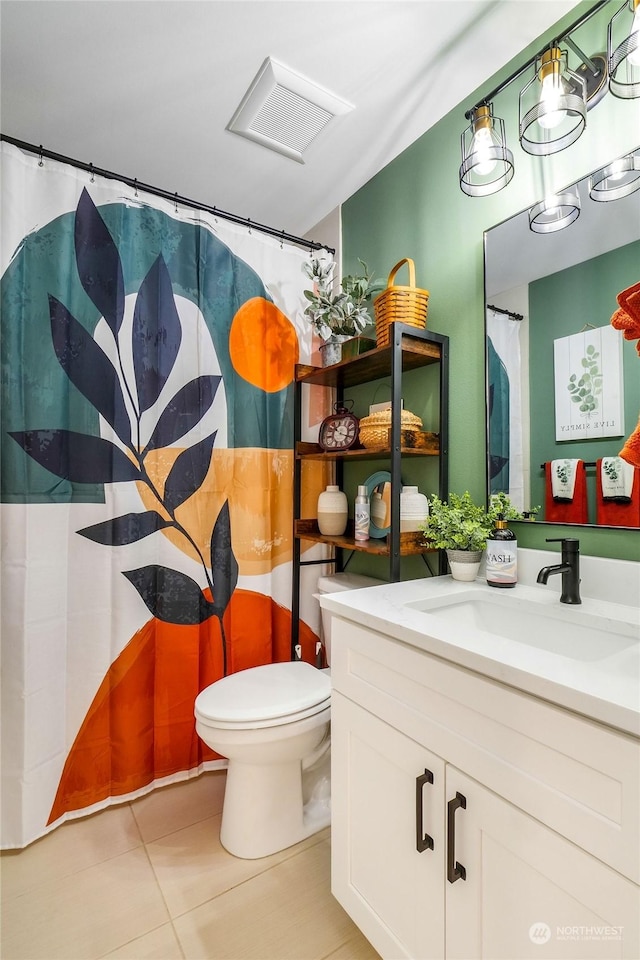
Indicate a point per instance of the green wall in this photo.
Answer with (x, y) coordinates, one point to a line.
(414, 208)
(559, 306)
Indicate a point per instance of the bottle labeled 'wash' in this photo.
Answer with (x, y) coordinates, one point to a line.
(502, 556)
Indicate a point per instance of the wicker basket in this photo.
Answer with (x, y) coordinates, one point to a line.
(374, 429)
(399, 304)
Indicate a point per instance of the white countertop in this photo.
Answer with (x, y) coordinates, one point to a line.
(606, 689)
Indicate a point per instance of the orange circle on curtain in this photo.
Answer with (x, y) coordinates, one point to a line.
(263, 345)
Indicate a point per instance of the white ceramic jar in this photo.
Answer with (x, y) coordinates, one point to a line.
(414, 509)
(333, 511)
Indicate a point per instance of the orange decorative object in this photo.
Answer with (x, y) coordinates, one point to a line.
(630, 327)
(627, 319)
(629, 300)
(631, 450)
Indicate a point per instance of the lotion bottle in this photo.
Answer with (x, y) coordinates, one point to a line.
(502, 556)
(362, 513)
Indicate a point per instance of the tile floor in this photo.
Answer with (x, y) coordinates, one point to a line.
(149, 880)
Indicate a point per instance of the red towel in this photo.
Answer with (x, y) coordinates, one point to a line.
(569, 511)
(609, 513)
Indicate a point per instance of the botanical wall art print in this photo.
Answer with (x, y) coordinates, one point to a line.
(589, 389)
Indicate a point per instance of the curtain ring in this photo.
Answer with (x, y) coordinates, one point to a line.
(40, 161)
(93, 178)
(249, 222)
(215, 219)
(135, 187)
(175, 202)
(282, 241)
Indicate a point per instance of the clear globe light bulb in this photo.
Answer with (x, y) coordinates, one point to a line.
(483, 140)
(552, 91)
(617, 170)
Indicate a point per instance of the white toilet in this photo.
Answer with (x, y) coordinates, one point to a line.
(273, 724)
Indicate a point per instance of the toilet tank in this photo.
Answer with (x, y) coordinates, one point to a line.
(334, 584)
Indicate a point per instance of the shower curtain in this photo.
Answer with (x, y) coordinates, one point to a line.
(506, 467)
(147, 363)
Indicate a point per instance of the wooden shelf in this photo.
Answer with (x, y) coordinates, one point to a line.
(313, 451)
(419, 348)
(411, 544)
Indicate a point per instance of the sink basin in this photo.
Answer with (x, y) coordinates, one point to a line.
(563, 630)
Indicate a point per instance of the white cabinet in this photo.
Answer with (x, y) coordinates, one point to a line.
(419, 749)
(393, 892)
(529, 892)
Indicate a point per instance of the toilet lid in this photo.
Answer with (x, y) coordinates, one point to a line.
(263, 693)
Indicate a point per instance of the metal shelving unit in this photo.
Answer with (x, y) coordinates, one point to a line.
(409, 349)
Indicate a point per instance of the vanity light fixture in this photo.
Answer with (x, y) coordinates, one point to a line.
(618, 179)
(623, 51)
(555, 212)
(487, 164)
(553, 105)
(553, 109)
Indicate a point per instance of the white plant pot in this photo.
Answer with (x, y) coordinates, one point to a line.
(464, 564)
(331, 350)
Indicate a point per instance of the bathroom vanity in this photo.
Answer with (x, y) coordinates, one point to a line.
(486, 769)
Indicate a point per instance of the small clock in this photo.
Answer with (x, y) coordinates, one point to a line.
(339, 431)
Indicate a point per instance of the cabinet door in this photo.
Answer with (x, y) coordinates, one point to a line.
(383, 808)
(529, 893)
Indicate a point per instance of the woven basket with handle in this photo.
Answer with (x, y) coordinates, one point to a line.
(400, 304)
(374, 429)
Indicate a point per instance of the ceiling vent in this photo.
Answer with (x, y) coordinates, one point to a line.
(284, 111)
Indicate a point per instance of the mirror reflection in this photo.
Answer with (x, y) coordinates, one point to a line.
(563, 385)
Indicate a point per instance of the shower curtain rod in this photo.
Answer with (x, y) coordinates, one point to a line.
(166, 195)
(509, 313)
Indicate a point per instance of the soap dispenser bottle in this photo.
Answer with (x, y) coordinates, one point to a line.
(502, 556)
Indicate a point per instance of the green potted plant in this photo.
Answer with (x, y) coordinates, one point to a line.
(500, 507)
(461, 527)
(337, 315)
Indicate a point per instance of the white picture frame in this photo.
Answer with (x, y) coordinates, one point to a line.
(589, 388)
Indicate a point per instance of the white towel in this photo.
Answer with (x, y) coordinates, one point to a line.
(617, 479)
(563, 479)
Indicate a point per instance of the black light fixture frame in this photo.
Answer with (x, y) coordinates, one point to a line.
(592, 65)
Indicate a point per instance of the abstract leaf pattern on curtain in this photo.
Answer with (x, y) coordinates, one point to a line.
(147, 371)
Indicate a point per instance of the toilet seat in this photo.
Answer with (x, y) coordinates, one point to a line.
(265, 696)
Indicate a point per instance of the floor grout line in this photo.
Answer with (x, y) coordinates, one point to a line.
(172, 924)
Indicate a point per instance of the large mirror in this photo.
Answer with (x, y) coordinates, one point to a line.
(550, 298)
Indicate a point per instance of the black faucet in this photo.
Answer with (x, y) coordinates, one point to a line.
(569, 568)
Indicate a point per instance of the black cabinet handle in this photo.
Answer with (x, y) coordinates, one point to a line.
(423, 840)
(455, 870)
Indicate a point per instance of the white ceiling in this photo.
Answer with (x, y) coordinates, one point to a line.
(145, 88)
